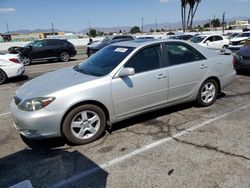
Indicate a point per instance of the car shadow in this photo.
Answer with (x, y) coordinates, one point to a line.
(51, 61)
(17, 79)
(243, 72)
(53, 168)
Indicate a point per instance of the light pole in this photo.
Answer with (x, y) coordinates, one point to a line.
(142, 19)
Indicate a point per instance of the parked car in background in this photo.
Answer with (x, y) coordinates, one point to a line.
(211, 41)
(182, 37)
(46, 49)
(237, 42)
(145, 38)
(242, 59)
(10, 66)
(91, 49)
(120, 81)
(232, 35)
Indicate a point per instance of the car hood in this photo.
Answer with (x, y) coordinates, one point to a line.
(53, 82)
(236, 39)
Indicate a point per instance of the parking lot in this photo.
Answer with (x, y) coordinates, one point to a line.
(180, 146)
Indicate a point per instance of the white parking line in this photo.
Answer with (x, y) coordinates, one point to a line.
(5, 114)
(141, 150)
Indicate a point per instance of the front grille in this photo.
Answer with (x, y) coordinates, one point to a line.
(17, 100)
(236, 43)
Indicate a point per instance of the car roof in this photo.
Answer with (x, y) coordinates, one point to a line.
(209, 35)
(142, 43)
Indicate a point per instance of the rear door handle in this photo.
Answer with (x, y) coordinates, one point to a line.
(203, 66)
(161, 76)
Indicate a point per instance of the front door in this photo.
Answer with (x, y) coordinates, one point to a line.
(144, 90)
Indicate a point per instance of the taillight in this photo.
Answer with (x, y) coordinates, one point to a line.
(234, 60)
(14, 60)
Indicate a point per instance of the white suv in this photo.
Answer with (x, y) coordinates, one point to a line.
(237, 42)
(211, 41)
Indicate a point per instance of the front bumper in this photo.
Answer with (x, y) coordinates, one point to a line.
(36, 125)
(235, 47)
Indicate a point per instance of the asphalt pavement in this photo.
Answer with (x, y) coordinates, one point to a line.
(180, 146)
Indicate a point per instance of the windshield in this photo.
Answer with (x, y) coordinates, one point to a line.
(104, 61)
(105, 39)
(29, 44)
(244, 35)
(197, 39)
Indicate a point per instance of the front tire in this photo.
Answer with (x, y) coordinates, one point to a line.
(84, 124)
(64, 56)
(207, 93)
(3, 77)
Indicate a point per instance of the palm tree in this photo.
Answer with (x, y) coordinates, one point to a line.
(193, 5)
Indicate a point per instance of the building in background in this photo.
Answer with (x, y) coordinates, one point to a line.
(240, 24)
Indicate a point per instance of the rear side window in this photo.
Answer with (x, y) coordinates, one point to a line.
(52, 42)
(145, 60)
(179, 53)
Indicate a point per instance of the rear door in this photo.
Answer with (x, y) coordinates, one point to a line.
(53, 48)
(186, 68)
(144, 90)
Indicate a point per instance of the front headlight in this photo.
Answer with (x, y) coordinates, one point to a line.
(35, 103)
(242, 42)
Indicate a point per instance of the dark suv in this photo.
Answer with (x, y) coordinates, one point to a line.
(46, 49)
(94, 47)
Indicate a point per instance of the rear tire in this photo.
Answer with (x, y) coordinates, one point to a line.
(25, 60)
(64, 56)
(207, 93)
(3, 76)
(84, 124)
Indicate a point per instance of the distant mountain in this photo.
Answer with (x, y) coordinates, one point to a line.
(166, 25)
(146, 28)
(26, 31)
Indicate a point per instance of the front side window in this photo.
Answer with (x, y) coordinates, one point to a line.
(145, 60)
(217, 38)
(104, 61)
(179, 53)
(209, 39)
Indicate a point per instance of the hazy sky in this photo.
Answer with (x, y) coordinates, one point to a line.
(74, 15)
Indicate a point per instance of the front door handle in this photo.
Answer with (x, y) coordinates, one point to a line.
(161, 76)
(203, 66)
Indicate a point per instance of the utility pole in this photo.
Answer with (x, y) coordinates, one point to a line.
(223, 23)
(89, 26)
(53, 31)
(7, 27)
(142, 19)
(155, 24)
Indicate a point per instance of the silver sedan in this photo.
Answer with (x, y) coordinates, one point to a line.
(120, 81)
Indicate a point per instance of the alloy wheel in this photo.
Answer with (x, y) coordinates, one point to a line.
(208, 92)
(85, 124)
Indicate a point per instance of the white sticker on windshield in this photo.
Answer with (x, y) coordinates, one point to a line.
(121, 50)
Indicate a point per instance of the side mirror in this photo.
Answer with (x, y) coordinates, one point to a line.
(208, 41)
(30, 47)
(126, 72)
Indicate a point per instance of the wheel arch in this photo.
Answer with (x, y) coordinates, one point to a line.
(99, 104)
(217, 81)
